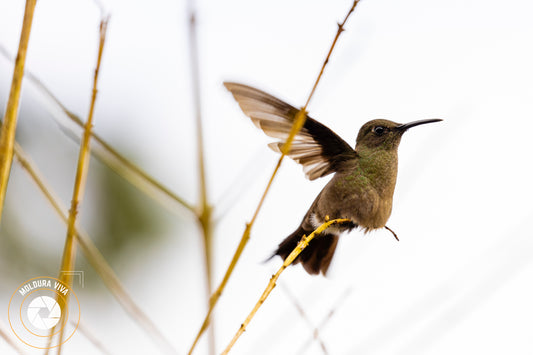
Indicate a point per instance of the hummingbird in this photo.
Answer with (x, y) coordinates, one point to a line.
(364, 177)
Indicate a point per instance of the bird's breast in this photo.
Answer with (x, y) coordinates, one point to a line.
(364, 194)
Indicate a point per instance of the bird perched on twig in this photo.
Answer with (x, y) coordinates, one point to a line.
(362, 186)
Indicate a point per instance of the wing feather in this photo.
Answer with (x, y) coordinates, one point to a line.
(317, 148)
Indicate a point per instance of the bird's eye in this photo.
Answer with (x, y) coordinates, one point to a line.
(379, 130)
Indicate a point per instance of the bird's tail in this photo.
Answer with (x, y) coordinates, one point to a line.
(316, 257)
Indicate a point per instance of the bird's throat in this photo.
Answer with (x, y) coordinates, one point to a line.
(379, 167)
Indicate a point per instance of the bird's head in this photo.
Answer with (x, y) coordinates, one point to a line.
(385, 134)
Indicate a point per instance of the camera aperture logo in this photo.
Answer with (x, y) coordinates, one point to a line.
(42, 309)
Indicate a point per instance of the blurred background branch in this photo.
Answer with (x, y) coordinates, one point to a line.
(72, 125)
(93, 255)
(6, 334)
(205, 217)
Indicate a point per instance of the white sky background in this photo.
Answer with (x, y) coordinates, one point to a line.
(459, 280)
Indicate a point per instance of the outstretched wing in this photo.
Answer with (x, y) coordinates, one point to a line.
(316, 147)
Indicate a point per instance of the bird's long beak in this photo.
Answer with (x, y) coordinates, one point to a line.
(404, 127)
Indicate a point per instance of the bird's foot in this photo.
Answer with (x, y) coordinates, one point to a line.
(394, 234)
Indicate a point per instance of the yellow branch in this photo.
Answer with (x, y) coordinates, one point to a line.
(297, 125)
(104, 151)
(69, 252)
(82, 169)
(272, 283)
(205, 217)
(93, 255)
(9, 125)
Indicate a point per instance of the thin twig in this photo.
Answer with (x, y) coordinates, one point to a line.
(93, 255)
(302, 244)
(325, 320)
(69, 251)
(9, 124)
(242, 181)
(303, 314)
(205, 210)
(298, 123)
(83, 329)
(4, 334)
(326, 61)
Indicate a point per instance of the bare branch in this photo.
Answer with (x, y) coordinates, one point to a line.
(72, 125)
(9, 124)
(272, 283)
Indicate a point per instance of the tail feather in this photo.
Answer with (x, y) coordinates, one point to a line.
(316, 257)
